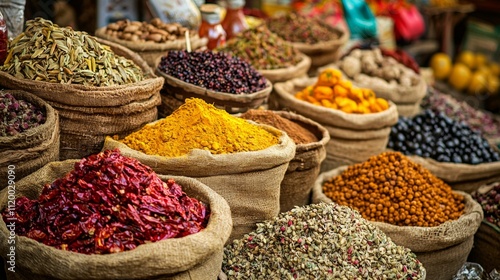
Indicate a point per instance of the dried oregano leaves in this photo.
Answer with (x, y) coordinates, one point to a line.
(319, 241)
(47, 52)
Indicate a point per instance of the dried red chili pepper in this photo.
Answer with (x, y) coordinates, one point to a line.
(109, 203)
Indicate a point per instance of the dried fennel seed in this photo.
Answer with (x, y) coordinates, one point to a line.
(47, 52)
(319, 241)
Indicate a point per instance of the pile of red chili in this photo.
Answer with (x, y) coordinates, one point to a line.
(109, 203)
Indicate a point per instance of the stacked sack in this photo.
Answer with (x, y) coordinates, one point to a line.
(358, 122)
(98, 88)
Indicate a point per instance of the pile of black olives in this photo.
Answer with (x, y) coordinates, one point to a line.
(434, 135)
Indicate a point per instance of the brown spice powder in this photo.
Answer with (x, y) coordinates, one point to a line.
(299, 134)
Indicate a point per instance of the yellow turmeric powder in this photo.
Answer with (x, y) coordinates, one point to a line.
(198, 125)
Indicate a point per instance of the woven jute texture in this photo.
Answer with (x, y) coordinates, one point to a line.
(304, 168)
(196, 256)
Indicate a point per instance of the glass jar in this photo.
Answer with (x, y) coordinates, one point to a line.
(234, 22)
(210, 26)
(4, 40)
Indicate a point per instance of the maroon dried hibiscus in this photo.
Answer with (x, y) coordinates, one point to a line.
(109, 203)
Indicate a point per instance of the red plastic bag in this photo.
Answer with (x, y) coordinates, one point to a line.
(408, 22)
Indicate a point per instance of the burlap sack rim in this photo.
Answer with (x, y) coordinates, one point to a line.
(325, 136)
(324, 46)
(51, 118)
(370, 121)
(245, 97)
(104, 93)
(282, 152)
(8, 157)
(135, 107)
(472, 208)
(178, 44)
(284, 74)
(397, 94)
(457, 172)
(218, 230)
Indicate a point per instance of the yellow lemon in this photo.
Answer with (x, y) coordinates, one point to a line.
(477, 84)
(467, 58)
(460, 76)
(480, 60)
(493, 85)
(441, 65)
(495, 69)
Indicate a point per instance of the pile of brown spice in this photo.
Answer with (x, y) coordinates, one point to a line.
(298, 133)
(391, 188)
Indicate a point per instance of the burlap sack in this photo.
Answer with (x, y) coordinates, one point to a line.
(444, 249)
(30, 150)
(304, 167)
(285, 74)
(408, 110)
(459, 175)
(197, 256)
(326, 52)
(486, 249)
(88, 113)
(151, 51)
(352, 136)
(249, 181)
(232, 103)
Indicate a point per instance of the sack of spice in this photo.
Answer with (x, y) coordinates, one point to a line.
(150, 40)
(243, 162)
(358, 122)
(413, 207)
(319, 241)
(310, 35)
(81, 225)
(226, 81)
(451, 150)
(487, 238)
(272, 56)
(87, 80)
(310, 139)
(29, 135)
(486, 123)
(387, 77)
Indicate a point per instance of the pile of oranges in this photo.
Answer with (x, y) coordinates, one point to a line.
(471, 72)
(331, 91)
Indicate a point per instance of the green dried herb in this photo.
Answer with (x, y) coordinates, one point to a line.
(49, 53)
(263, 49)
(319, 241)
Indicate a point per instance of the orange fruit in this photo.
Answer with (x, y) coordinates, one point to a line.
(467, 58)
(441, 65)
(495, 69)
(460, 76)
(493, 85)
(480, 60)
(477, 84)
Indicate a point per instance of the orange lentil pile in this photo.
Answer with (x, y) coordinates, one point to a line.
(391, 188)
(331, 91)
